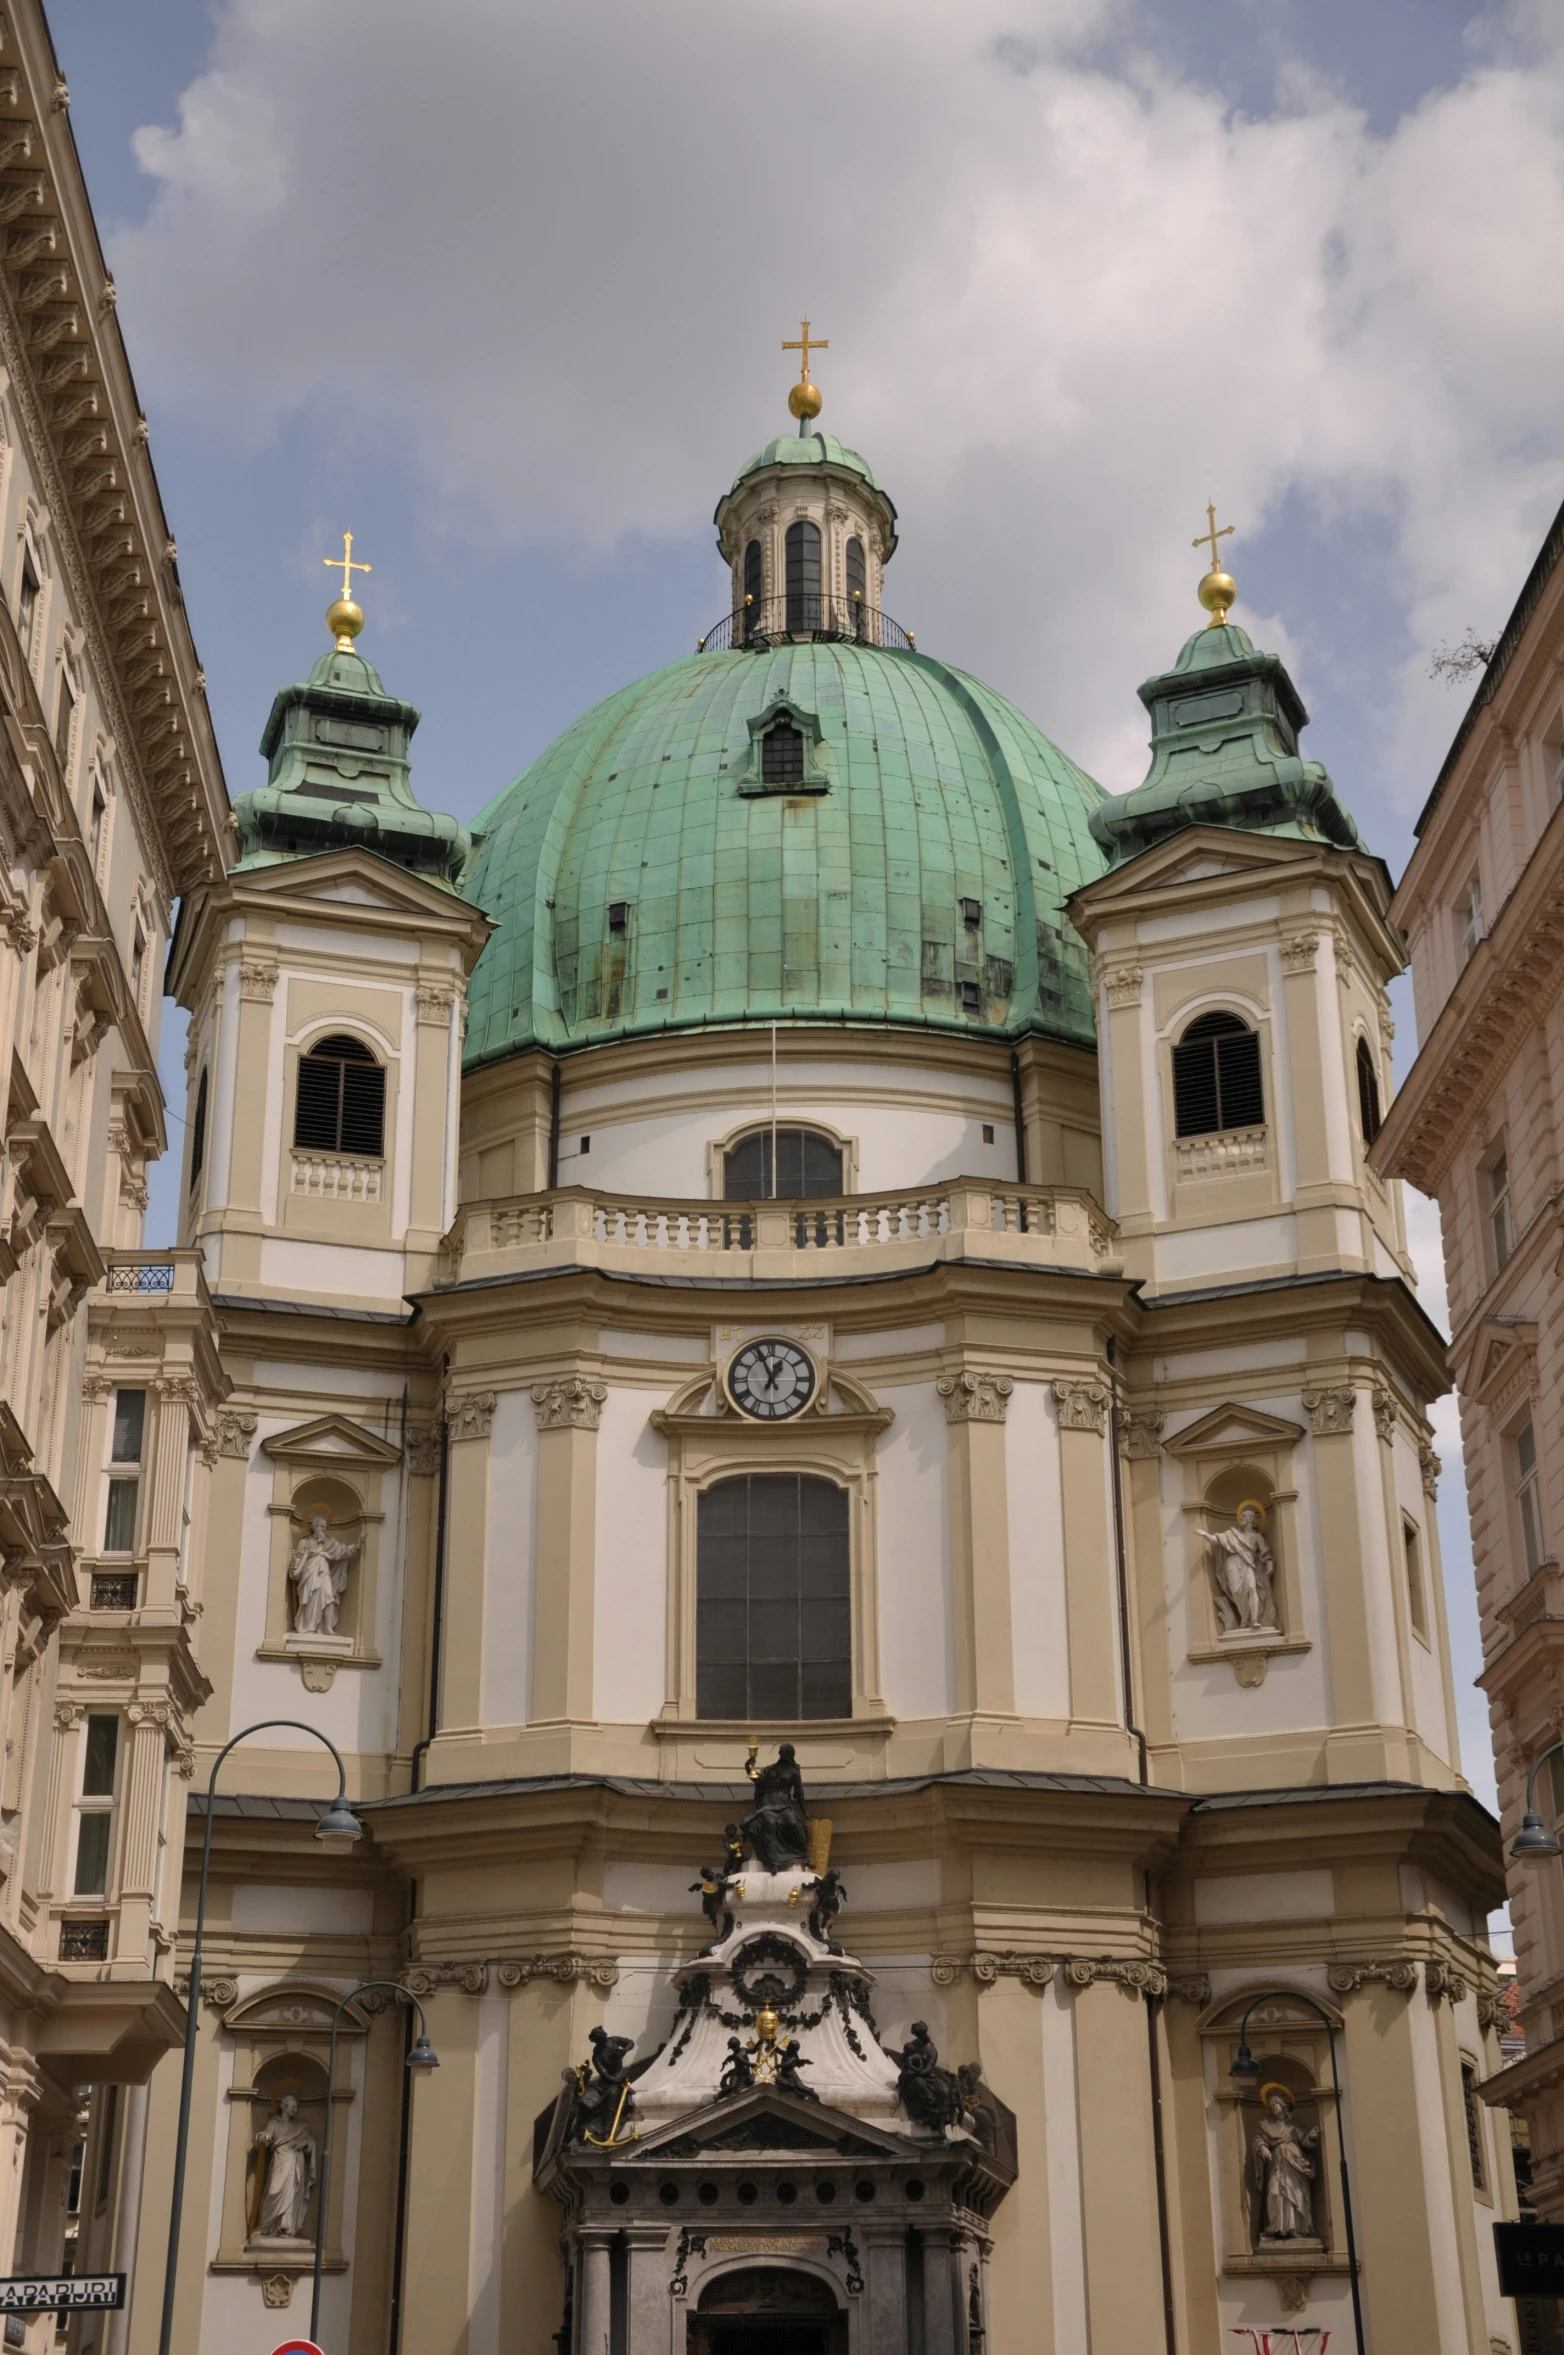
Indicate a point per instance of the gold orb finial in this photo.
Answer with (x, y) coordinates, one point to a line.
(1218, 590)
(344, 615)
(805, 398)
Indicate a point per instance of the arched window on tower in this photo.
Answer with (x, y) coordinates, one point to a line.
(1216, 1077)
(803, 576)
(754, 583)
(773, 1622)
(857, 583)
(341, 1103)
(1368, 1095)
(808, 1167)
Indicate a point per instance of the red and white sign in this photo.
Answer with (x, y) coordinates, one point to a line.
(298, 2347)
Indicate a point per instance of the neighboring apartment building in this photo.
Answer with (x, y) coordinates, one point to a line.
(112, 808)
(1478, 1126)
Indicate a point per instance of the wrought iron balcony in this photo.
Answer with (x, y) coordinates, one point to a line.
(788, 621)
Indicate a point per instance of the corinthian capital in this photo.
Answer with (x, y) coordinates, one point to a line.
(974, 1397)
(1083, 1406)
(572, 1405)
(471, 1413)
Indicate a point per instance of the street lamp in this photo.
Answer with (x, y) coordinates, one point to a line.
(337, 1829)
(421, 2056)
(1534, 1843)
(1245, 2068)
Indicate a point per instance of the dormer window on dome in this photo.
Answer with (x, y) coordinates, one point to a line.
(782, 754)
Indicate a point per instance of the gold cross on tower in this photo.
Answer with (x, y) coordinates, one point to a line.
(1218, 589)
(804, 399)
(345, 617)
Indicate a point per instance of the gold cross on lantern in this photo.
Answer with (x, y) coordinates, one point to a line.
(349, 567)
(805, 344)
(1211, 534)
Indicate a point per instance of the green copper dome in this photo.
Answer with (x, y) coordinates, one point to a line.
(808, 449)
(645, 876)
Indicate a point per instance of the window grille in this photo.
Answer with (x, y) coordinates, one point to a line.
(1216, 1077)
(782, 755)
(808, 1166)
(341, 1104)
(95, 1807)
(803, 576)
(773, 1617)
(1368, 1094)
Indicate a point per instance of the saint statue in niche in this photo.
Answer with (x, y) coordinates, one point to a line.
(1243, 1572)
(285, 2173)
(1282, 2168)
(318, 1574)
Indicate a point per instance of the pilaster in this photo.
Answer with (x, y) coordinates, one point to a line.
(975, 1407)
(1089, 1570)
(568, 1414)
(470, 1414)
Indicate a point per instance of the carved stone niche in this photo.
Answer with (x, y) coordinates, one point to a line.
(1235, 1458)
(1277, 2163)
(281, 2040)
(330, 1468)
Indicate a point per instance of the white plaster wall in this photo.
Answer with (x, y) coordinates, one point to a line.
(1429, 1714)
(299, 1269)
(1034, 1495)
(1265, 1897)
(486, 2228)
(293, 1909)
(913, 1505)
(1066, 2219)
(1378, 1570)
(510, 1561)
(630, 1609)
(1220, 1254)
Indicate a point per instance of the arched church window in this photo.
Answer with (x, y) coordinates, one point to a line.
(1216, 1077)
(341, 1104)
(803, 576)
(807, 1166)
(1368, 1094)
(198, 1135)
(772, 1598)
(754, 583)
(782, 754)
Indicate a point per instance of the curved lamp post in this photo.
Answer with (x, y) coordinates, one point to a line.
(1534, 1843)
(338, 1828)
(1245, 2067)
(421, 2056)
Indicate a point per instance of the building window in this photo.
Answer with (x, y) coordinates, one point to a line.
(27, 604)
(95, 1808)
(1527, 1481)
(1474, 2125)
(1368, 1094)
(108, 2121)
(1417, 1593)
(803, 576)
(138, 961)
(857, 575)
(341, 1105)
(1501, 1217)
(772, 1611)
(807, 1166)
(198, 1135)
(1469, 927)
(65, 713)
(1216, 1077)
(782, 754)
(754, 584)
(130, 1422)
(100, 803)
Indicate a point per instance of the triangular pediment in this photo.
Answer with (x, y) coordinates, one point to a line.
(330, 1439)
(351, 878)
(765, 2119)
(1196, 854)
(1230, 1430)
(1499, 1353)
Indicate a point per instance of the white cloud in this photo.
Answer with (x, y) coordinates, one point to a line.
(550, 254)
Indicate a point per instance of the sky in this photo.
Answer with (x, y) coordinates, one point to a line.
(507, 304)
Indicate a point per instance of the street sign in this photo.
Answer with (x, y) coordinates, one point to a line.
(297, 2347)
(1531, 2260)
(38, 2293)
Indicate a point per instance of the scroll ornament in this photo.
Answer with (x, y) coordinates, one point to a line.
(1083, 1406)
(513, 1971)
(973, 1397)
(471, 1413)
(572, 1405)
(1330, 1411)
(1347, 1978)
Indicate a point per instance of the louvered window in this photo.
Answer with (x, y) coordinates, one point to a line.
(808, 1167)
(1368, 1094)
(198, 1135)
(1216, 1077)
(782, 755)
(803, 576)
(341, 1105)
(773, 1636)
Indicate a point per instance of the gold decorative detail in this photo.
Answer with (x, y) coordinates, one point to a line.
(345, 616)
(1218, 589)
(572, 1405)
(804, 400)
(973, 1397)
(1083, 1406)
(819, 1843)
(1330, 1411)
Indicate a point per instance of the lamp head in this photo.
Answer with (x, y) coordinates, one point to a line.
(423, 2055)
(339, 1827)
(1244, 2065)
(1533, 1843)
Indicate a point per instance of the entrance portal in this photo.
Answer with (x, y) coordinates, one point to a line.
(767, 2310)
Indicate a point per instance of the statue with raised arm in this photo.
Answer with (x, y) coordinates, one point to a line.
(285, 2162)
(1243, 1571)
(318, 1574)
(1282, 2167)
(778, 1829)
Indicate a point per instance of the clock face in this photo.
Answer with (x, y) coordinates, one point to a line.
(771, 1380)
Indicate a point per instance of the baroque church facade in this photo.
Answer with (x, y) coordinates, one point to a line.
(821, 1398)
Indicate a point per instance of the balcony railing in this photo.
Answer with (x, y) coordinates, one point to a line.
(780, 621)
(1228, 1152)
(1053, 1225)
(334, 1177)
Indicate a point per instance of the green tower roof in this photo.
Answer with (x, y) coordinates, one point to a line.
(643, 878)
(339, 775)
(808, 449)
(1225, 723)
